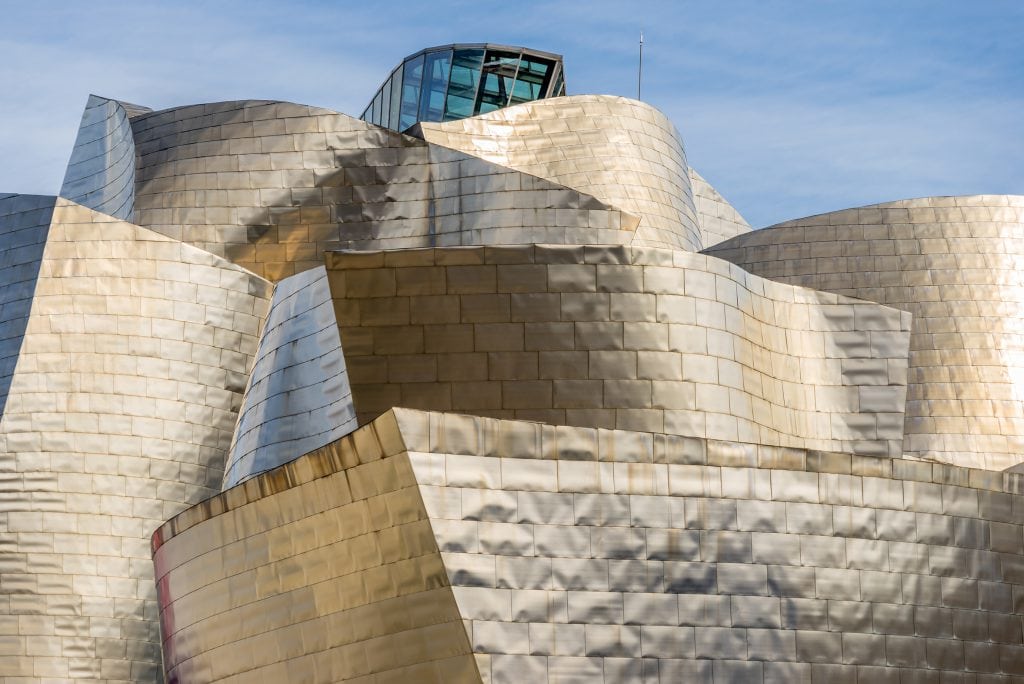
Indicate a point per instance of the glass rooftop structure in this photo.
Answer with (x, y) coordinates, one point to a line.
(458, 81)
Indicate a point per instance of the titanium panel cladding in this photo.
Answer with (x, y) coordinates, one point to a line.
(119, 414)
(718, 219)
(101, 172)
(621, 151)
(367, 599)
(594, 555)
(955, 264)
(677, 467)
(620, 337)
(298, 398)
(24, 224)
(271, 186)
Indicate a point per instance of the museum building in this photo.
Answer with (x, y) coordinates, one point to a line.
(489, 385)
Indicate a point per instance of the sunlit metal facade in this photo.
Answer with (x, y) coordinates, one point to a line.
(496, 388)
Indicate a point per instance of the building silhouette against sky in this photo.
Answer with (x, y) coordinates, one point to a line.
(489, 385)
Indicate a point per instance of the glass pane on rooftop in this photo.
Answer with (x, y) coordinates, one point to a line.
(455, 82)
(396, 97)
(411, 92)
(435, 85)
(499, 72)
(463, 83)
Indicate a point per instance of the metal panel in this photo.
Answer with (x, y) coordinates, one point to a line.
(119, 414)
(298, 397)
(954, 263)
(621, 151)
(718, 219)
(587, 600)
(24, 225)
(530, 333)
(101, 172)
(272, 185)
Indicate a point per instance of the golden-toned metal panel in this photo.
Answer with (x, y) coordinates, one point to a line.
(712, 489)
(620, 337)
(325, 569)
(120, 410)
(955, 263)
(621, 151)
(585, 553)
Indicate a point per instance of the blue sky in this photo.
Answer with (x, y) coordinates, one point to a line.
(788, 108)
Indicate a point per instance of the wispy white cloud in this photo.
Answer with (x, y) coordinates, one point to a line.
(790, 108)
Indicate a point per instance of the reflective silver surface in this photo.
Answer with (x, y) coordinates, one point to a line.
(718, 219)
(298, 398)
(101, 172)
(714, 488)
(24, 224)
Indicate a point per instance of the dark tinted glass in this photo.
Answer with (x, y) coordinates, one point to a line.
(410, 93)
(532, 80)
(396, 97)
(385, 103)
(499, 72)
(375, 116)
(462, 84)
(445, 84)
(435, 85)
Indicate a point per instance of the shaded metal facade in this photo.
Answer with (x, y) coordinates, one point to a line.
(101, 172)
(621, 151)
(298, 397)
(718, 219)
(24, 225)
(272, 186)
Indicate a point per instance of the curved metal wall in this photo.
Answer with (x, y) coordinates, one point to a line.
(119, 414)
(956, 264)
(271, 186)
(370, 597)
(621, 151)
(298, 398)
(595, 555)
(101, 172)
(620, 337)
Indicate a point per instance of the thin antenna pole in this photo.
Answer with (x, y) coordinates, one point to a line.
(640, 68)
